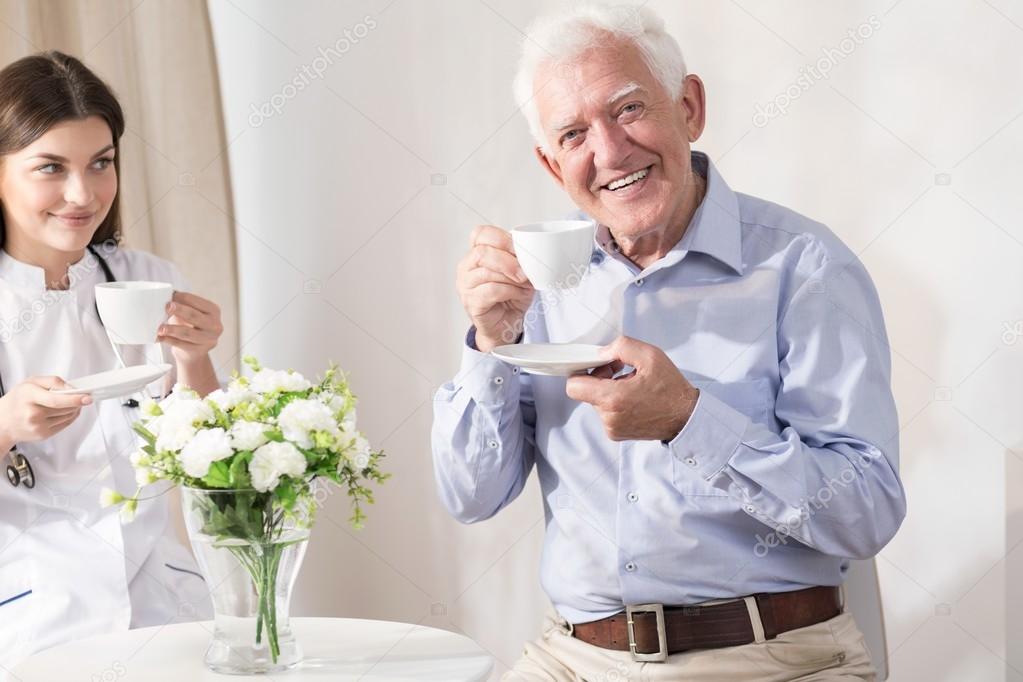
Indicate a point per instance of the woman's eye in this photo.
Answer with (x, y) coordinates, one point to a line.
(49, 169)
(102, 164)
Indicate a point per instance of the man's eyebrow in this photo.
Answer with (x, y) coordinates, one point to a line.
(624, 91)
(620, 93)
(564, 123)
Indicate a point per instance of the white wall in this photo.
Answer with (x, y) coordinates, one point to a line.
(355, 201)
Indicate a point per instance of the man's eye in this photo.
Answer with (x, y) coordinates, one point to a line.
(570, 135)
(631, 108)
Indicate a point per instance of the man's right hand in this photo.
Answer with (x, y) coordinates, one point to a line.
(494, 290)
(30, 412)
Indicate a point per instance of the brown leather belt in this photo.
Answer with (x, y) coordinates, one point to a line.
(657, 630)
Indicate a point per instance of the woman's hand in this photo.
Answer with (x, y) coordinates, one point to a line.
(30, 412)
(192, 331)
(193, 328)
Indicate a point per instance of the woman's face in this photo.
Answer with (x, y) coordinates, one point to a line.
(56, 192)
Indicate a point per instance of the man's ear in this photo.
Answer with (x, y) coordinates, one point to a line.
(694, 105)
(550, 165)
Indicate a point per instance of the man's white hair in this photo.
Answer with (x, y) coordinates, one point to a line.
(561, 37)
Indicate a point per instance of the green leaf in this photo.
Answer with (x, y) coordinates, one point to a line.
(219, 475)
(147, 436)
(239, 470)
(286, 493)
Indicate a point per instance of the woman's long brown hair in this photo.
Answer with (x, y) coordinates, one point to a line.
(45, 89)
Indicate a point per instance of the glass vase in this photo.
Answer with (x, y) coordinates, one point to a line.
(249, 549)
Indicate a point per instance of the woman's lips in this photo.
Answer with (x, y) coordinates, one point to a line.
(75, 219)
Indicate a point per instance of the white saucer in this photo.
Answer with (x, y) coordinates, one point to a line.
(116, 383)
(551, 359)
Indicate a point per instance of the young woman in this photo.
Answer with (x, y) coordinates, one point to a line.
(69, 568)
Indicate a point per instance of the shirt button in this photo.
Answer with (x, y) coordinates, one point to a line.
(498, 380)
(639, 282)
(515, 370)
(749, 508)
(630, 567)
(492, 443)
(632, 497)
(690, 461)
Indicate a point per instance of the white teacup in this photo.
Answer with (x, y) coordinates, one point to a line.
(554, 254)
(132, 312)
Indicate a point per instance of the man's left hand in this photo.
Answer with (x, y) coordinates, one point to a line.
(653, 402)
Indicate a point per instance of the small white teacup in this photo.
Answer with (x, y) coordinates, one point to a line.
(132, 312)
(554, 254)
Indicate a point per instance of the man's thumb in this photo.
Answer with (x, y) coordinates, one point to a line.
(627, 350)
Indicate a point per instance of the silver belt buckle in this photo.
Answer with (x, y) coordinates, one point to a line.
(661, 655)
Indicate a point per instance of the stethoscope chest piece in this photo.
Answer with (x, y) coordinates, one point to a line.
(19, 471)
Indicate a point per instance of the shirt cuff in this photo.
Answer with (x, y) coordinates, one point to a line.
(714, 430)
(484, 377)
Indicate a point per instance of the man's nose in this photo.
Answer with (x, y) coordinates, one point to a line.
(77, 190)
(611, 145)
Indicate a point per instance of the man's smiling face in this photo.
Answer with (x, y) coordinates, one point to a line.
(617, 142)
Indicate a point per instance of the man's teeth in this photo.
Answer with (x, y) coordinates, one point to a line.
(628, 179)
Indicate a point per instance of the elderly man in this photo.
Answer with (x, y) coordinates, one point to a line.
(705, 491)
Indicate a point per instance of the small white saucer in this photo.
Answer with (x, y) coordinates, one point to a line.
(551, 359)
(116, 383)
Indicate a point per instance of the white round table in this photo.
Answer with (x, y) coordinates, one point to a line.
(334, 648)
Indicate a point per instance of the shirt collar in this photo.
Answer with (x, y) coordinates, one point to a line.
(24, 275)
(714, 229)
(17, 273)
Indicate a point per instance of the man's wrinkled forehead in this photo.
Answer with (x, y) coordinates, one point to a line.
(593, 80)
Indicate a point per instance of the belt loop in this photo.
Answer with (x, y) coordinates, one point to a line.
(563, 625)
(767, 615)
(754, 619)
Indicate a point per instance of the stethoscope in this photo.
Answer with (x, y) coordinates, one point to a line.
(19, 471)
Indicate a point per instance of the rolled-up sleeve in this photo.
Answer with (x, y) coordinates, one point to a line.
(829, 478)
(483, 436)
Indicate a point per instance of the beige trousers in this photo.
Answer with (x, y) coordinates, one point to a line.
(832, 650)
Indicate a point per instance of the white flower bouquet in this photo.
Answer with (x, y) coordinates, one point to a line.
(247, 458)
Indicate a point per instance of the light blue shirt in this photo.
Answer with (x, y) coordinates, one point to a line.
(788, 465)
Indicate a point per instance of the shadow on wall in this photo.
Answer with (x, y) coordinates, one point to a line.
(1014, 562)
(907, 305)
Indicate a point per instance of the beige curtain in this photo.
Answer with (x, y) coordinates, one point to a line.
(158, 57)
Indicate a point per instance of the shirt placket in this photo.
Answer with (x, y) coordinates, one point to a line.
(628, 500)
